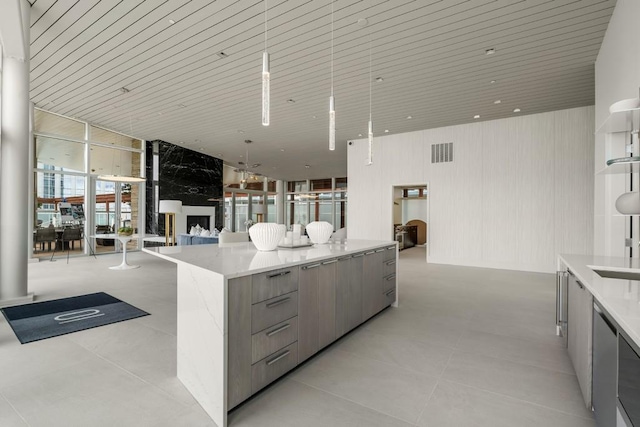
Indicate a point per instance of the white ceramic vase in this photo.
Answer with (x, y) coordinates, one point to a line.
(628, 203)
(319, 231)
(266, 235)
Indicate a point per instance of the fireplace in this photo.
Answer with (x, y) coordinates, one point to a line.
(202, 220)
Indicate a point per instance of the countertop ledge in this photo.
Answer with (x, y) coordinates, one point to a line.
(619, 297)
(234, 260)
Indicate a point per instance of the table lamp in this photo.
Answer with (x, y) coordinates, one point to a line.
(170, 208)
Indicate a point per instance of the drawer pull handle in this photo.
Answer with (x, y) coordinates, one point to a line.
(272, 361)
(380, 250)
(307, 267)
(390, 277)
(345, 258)
(280, 329)
(391, 262)
(369, 253)
(358, 255)
(390, 248)
(275, 303)
(283, 273)
(391, 292)
(329, 262)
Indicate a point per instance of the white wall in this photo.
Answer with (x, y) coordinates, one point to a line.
(519, 191)
(617, 78)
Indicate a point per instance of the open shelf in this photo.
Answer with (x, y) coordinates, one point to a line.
(621, 121)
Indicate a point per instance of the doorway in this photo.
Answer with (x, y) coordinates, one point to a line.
(115, 206)
(411, 215)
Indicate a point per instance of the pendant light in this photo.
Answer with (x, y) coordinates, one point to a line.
(265, 74)
(332, 101)
(370, 128)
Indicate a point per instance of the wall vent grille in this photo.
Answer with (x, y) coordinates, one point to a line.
(442, 153)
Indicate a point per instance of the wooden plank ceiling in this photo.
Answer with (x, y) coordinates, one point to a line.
(430, 54)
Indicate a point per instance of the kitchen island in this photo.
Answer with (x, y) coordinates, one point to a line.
(598, 313)
(247, 317)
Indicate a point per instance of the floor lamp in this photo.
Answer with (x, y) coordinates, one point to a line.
(170, 208)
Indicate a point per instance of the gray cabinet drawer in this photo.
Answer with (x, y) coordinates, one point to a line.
(273, 367)
(389, 282)
(389, 297)
(273, 283)
(273, 339)
(389, 267)
(390, 253)
(272, 311)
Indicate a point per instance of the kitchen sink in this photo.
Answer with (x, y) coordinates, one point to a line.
(611, 274)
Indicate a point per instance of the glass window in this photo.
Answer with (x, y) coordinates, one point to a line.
(321, 185)
(321, 208)
(114, 138)
(109, 161)
(297, 213)
(45, 122)
(296, 186)
(242, 211)
(53, 188)
(59, 154)
(341, 183)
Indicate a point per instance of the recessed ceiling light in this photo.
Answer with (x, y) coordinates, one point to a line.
(359, 134)
(171, 21)
(477, 116)
(497, 101)
(490, 51)
(307, 166)
(363, 22)
(201, 148)
(291, 101)
(516, 110)
(222, 55)
(379, 79)
(240, 131)
(282, 149)
(181, 142)
(492, 81)
(160, 113)
(409, 117)
(386, 131)
(219, 154)
(313, 117)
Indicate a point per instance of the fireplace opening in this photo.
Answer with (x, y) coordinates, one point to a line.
(193, 220)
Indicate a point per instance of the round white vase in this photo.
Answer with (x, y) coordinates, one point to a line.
(319, 231)
(266, 235)
(628, 203)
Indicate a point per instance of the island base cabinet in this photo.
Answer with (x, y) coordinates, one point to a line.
(579, 334)
(605, 369)
(348, 293)
(372, 284)
(308, 317)
(327, 303)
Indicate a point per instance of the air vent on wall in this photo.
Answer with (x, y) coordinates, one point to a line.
(441, 153)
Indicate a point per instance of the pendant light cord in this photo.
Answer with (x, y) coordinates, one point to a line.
(370, 74)
(332, 47)
(265, 25)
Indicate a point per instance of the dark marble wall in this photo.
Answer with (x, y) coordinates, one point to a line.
(185, 175)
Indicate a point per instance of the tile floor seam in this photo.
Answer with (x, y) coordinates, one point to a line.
(434, 389)
(528, 339)
(351, 401)
(394, 365)
(122, 368)
(461, 351)
(518, 399)
(14, 409)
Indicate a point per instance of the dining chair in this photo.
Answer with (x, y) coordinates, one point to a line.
(45, 235)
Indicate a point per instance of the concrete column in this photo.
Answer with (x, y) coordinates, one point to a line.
(14, 157)
(280, 195)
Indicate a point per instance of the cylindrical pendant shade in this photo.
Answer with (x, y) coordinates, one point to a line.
(170, 206)
(332, 123)
(265, 89)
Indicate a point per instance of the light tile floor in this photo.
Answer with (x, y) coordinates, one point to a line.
(466, 347)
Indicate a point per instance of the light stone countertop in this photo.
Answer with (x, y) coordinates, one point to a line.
(233, 260)
(619, 297)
